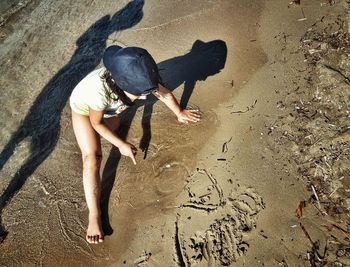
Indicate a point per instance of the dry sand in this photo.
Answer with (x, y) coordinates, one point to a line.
(223, 192)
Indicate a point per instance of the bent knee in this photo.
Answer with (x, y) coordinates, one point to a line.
(92, 160)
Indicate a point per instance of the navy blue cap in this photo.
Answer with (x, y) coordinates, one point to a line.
(132, 68)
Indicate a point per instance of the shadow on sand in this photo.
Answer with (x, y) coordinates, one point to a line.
(42, 124)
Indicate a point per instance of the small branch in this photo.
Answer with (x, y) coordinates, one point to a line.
(251, 107)
(316, 196)
(224, 146)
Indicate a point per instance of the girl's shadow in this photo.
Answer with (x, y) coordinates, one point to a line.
(41, 126)
(204, 60)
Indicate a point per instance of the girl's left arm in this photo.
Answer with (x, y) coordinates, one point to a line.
(183, 115)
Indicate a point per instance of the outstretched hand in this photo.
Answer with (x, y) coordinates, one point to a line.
(128, 150)
(189, 115)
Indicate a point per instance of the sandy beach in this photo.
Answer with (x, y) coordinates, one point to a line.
(262, 180)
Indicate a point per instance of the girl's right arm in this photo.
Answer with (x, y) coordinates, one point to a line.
(126, 149)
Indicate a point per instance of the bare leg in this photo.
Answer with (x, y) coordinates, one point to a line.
(90, 146)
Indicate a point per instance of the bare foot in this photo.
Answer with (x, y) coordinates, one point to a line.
(94, 233)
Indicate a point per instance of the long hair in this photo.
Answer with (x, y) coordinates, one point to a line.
(117, 93)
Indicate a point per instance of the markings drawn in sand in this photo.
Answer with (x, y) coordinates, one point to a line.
(230, 219)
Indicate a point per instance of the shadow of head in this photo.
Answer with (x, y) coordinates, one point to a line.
(124, 19)
(205, 59)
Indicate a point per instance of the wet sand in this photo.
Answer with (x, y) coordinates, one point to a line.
(211, 194)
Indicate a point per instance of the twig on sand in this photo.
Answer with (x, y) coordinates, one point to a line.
(240, 111)
(314, 255)
(320, 210)
(247, 109)
(224, 146)
(316, 196)
(306, 233)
